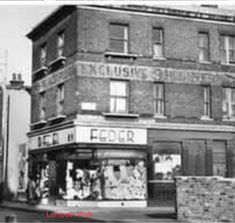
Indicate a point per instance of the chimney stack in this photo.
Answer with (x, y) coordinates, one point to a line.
(17, 81)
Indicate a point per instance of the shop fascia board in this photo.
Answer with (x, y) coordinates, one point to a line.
(163, 126)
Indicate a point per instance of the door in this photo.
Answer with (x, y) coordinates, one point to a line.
(166, 160)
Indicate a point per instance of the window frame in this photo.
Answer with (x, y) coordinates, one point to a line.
(125, 39)
(207, 108)
(42, 105)
(159, 100)
(158, 43)
(228, 103)
(226, 48)
(60, 45)
(60, 99)
(43, 54)
(204, 49)
(115, 97)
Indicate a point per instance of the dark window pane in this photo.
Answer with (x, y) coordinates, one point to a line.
(117, 45)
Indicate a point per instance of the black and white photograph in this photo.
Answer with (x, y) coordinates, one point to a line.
(117, 111)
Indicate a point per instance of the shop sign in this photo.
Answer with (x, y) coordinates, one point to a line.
(52, 139)
(107, 135)
(148, 73)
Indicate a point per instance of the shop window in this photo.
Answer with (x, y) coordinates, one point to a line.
(60, 99)
(227, 49)
(159, 102)
(42, 102)
(167, 161)
(118, 38)
(111, 179)
(203, 47)
(207, 101)
(158, 43)
(43, 55)
(60, 44)
(219, 159)
(228, 103)
(119, 96)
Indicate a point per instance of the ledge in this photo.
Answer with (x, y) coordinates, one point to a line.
(41, 122)
(57, 118)
(160, 117)
(120, 115)
(228, 119)
(123, 55)
(159, 58)
(41, 70)
(58, 61)
(205, 118)
(204, 62)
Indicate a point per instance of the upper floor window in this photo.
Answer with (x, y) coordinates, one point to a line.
(203, 47)
(60, 99)
(42, 105)
(43, 54)
(159, 102)
(60, 44)
(228, 102)
(227, 49)
(207, 101)
(119, 96)
(119, 38)
(158, 43)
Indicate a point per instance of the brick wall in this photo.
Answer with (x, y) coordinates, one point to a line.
(205, 199)
(68, 25)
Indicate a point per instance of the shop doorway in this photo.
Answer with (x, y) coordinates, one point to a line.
(166, 164)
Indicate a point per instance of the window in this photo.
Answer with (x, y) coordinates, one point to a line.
(60, 44)
(42, 105)
(159, 99)
(119, 38)
(43, 55)
(207, 101)
(60, 99)
(228, 102)
(118, 96)
(219, 158)
(158, 43)
(203, 47)
(227, 49)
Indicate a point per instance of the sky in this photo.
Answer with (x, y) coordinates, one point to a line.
(18, 20)
(15, 22)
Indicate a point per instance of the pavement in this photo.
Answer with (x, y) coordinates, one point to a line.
(100, 214)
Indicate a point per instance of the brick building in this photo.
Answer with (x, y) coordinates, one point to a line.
(14, 126)
(126, 97)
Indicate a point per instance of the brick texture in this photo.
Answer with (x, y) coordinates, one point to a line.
(205, 199)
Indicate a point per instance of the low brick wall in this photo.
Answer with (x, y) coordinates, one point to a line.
(205, 199)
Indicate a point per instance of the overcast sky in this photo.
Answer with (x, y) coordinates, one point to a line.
(15, 22)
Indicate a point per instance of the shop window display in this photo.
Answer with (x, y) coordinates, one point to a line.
(111, 179)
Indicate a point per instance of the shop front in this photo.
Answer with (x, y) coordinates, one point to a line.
(96, 165)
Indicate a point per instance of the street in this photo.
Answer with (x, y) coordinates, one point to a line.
(26, 216)
(99, 215)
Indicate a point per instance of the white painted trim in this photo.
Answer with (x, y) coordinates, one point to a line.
(142, 124)
(153, 15)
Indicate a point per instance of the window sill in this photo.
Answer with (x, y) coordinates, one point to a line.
(42, 70)
(227, 119)
(39, 123)
(121, 115)
(57, 118)
(205, 118)
(59, 61)
(228, 64)
(160, 117)
(159, 58)
(205, 62)
(121, 55)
